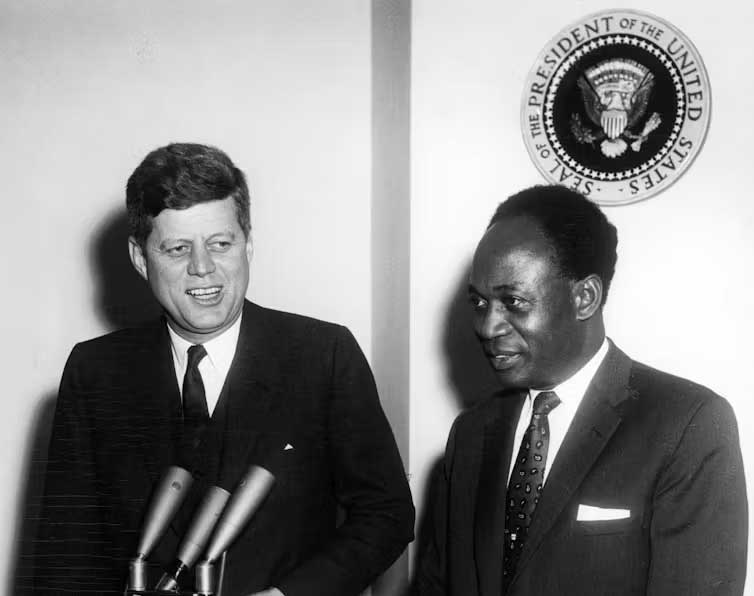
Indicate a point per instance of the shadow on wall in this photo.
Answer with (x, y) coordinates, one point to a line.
(472, 380)
(470, 375)
(425, 524)
(122, 299)
(30, 491)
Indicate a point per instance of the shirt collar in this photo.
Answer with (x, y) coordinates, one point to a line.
(220, 349)
(574, 388)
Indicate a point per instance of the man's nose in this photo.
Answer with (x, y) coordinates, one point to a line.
(493, 323)
(201, 262)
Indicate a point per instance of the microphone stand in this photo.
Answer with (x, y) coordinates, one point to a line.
(221, 577)
(215, 588)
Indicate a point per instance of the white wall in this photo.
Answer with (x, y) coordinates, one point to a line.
(683, 293)
(88, 88)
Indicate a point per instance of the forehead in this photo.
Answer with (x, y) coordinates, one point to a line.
(513, 252)
(203, 219)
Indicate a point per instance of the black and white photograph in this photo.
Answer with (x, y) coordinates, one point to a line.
(376, 298)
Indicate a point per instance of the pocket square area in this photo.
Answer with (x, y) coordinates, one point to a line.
(589, 513)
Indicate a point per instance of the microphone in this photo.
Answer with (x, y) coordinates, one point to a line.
(196, 538)
(247, 498)
(168, 497)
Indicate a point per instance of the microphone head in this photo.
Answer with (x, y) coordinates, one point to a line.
(252, 490)
(201, 527)
(167, 498)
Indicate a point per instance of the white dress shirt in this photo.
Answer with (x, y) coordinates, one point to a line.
(570, 392)
(213, 367)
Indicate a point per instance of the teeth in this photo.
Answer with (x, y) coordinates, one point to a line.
(203, 291)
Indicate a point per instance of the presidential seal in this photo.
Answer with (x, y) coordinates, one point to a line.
(616, 106)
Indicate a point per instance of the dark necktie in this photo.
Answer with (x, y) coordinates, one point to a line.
(525, 485)
(195, 412)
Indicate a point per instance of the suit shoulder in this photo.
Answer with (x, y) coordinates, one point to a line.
(291, 319)
(108, 361)
(293, 326)
(117, 342)
(471, 419)
(676, 395)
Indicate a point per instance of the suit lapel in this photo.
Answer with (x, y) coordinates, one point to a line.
(250, 393)
(489, 518)
(596, 419)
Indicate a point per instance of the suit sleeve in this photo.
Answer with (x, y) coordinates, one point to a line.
(68, 556)
(431, 577)
(700, 520)
(370, 485)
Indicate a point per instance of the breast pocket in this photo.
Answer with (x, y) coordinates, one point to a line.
(599, 527)
(599, 520)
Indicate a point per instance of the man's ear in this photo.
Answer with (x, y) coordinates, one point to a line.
(138, 260)
(587, 296)
(249, 248)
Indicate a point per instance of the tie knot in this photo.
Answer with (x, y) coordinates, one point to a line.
(545, 402)
(195, 355)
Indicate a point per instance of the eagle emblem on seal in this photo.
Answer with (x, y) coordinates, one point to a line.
(616, 95)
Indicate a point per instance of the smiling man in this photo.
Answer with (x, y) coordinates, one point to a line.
(589, 473)
(197, 263)
(216, 385)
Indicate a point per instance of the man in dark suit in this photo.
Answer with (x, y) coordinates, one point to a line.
(216, 385)
(590, 473)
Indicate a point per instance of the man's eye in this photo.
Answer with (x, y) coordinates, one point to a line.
(513, 302)
(476, 301)
(220, 245)
(177, 251)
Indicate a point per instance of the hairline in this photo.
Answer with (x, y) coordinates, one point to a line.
(142, 242)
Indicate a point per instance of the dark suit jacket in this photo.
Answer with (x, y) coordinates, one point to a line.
(294, 381)
(660, 446)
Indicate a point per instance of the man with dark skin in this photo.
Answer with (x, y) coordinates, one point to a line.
(589, 473)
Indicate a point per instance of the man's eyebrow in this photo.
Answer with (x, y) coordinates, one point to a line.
(163, 245)
(496, 289)
(510, 287)
(230, 233)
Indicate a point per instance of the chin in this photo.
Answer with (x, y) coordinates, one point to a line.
(202, 326)
(517, 379)
(509, 381)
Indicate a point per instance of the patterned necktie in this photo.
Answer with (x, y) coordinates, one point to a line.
(195, 412)
(526, 481)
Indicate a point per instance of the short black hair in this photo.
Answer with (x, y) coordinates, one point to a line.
(583, 240)
(179, 176)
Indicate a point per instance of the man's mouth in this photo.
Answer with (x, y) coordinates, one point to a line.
(205, 294)
(502, 360)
